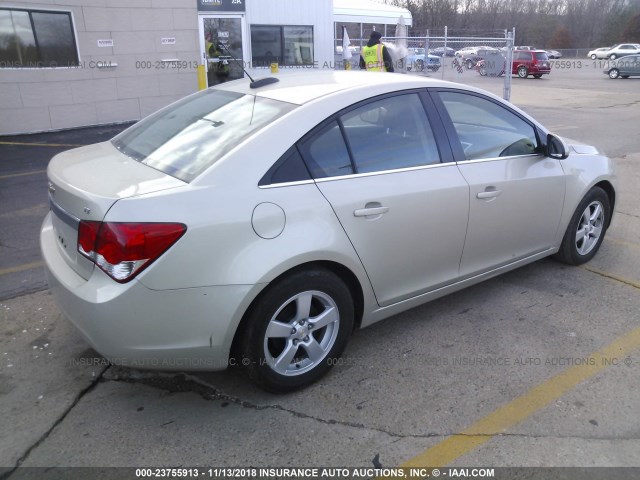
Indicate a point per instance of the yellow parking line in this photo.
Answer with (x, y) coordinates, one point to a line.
(13, 175)
(522, 407)
(21, 268)
(612, 276)
(28, 144)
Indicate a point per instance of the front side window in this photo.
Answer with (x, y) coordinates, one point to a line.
(486, 129)
(32, 39)
(286, 45)
(389, 134)
(189, 136)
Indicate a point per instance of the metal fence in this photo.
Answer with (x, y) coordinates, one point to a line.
(490, 55)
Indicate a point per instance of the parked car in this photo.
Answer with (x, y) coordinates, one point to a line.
(624, 67)
(263, 221)
(599, 53)
(553, 54)
(469, 58)
(525, 47)
(443, 52)
(416, 60)
(622, 50)
(530, 62)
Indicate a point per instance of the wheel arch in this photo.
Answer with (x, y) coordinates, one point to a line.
(611, 193)
(346, 274)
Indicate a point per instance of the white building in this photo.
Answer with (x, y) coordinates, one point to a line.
(71, 63)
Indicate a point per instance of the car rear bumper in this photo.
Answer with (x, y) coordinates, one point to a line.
(134, 326)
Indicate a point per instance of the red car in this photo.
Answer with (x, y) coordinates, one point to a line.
(530, 62)
(525, 63)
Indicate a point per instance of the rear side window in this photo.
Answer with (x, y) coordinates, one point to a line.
(326, 153)
(541, 56)
(389, 134)
(189, 136)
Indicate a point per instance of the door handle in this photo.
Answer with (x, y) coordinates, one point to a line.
(490, 192)
(370, 212)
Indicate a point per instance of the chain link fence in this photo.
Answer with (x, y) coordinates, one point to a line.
(481, 53)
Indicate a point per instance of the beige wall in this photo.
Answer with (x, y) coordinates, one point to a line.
(33, 100)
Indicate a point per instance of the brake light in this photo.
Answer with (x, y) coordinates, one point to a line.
(123, 250)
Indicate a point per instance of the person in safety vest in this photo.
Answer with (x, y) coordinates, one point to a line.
(375, 57)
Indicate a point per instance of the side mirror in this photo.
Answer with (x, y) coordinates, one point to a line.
(556, 147)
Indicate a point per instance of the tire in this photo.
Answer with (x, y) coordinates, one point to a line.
(586, 229)
(483, 71)
(278, 328)
(594, 56)
(522, 72)
(419, 65)
(613, 56)
(614, 73)
(469, 63)
(537, 75)
(624, 76)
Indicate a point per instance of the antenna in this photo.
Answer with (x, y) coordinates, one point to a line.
(254, 83)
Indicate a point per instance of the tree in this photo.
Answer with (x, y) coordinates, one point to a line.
(631, 32)
(561, 38)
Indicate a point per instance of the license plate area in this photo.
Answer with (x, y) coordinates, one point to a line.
(65, 228)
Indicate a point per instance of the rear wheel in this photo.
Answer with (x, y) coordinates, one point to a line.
(613, 56)
(624, 76)
(614, 73)
(586, 229)
(419, 65)
(469, 63)
(297, 330)
(522, 72)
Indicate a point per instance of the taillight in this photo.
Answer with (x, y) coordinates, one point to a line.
(123, 250)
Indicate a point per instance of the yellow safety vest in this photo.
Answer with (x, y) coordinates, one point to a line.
(373, 58)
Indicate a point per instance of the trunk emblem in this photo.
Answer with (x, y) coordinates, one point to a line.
(52, 188)
(87, 210)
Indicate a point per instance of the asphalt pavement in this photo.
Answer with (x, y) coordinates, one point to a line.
(537, 367)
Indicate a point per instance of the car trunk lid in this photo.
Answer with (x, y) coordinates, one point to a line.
(83, 185)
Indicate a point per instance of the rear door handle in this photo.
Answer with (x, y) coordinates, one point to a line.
(370, 212)
(490, 192)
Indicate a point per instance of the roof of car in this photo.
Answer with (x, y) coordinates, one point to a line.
(300, 88)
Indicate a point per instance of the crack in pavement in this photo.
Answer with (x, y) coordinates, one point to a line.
(185, 383)
(83, 392)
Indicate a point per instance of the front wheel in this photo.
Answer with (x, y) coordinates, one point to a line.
(594, 56)
(587, 228)
(537, 75)
(613, 56)
(522, 72)
(297, 330)
(469, 63)
(614, 73)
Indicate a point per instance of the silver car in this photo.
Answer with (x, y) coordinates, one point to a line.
(260, 223)
(624, 67)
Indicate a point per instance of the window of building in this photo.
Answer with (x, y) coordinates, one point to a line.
(286, 45)
(35, 38)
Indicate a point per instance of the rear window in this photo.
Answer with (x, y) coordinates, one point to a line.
(541, 56)
(189, 136)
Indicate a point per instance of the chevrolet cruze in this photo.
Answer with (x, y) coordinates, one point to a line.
(260, 223)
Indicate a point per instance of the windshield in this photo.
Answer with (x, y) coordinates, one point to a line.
(189, 136)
